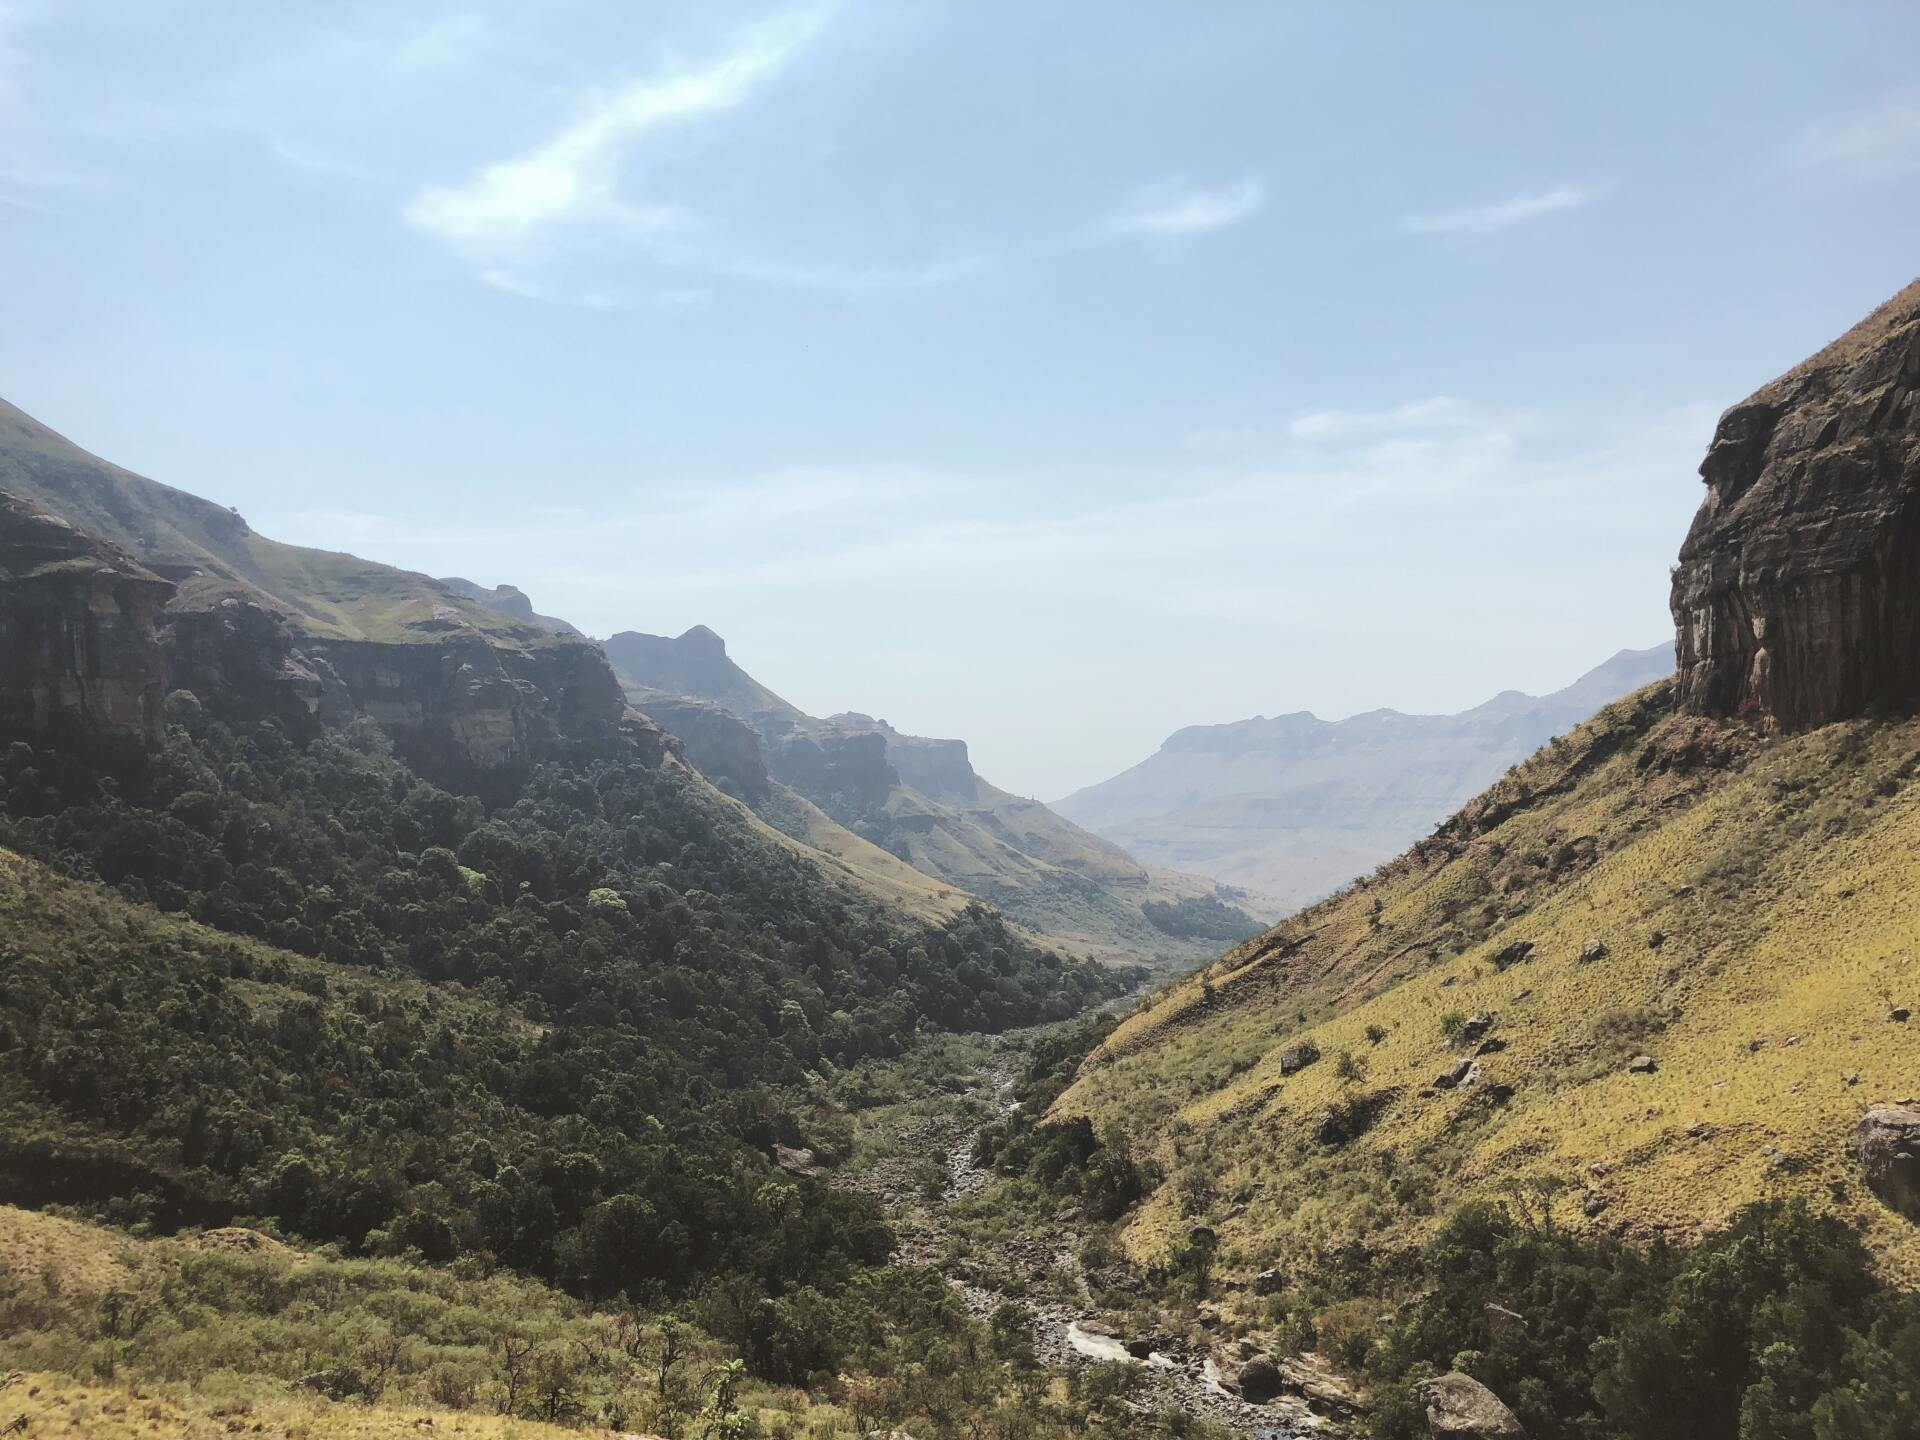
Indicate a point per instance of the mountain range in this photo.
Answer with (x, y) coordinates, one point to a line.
(920, 800)
(1289, 808)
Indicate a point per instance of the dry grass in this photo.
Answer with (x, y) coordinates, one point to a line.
(1785, 883)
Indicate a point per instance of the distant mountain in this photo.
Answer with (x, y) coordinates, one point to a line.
(508, 600)
(919, 800)
(1291, 807)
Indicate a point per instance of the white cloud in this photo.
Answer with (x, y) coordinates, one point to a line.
(573, 177)
(1173, 208)
(1435, 412)
(1877, 143)
(1505, 214)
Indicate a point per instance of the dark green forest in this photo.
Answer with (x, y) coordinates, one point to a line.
(562, 1034)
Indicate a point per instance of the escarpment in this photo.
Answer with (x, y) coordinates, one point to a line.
(80, 630)
(1797, 595)
(120, 589)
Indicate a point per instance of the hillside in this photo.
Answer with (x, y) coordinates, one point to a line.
(1663, 968)
(919, 800)
(1292, 807)
(212, 554)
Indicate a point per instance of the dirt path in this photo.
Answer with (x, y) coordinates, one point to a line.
(1179, 1379)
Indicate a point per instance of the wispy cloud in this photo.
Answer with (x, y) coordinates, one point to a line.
(1505, 214)
(1175, 208)
(1879, 142)
(1434, 413)
(573, 177)
(594, 297)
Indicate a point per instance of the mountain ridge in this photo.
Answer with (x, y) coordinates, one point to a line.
(1265, 805)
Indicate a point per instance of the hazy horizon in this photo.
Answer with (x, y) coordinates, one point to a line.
(1048, 378)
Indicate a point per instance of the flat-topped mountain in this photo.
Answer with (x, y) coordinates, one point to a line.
(920, 800)
(1290, 807)
(470, 692)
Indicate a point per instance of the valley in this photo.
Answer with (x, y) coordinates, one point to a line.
(418, 1016)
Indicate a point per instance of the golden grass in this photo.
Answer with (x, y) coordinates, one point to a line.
(1787, 886)
(58, 1408)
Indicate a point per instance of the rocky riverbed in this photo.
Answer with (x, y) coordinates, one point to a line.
(1065, 1333)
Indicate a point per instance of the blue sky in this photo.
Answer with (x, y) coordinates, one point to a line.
(1051, 375)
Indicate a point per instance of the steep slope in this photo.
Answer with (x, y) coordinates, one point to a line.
(913, 797)
(1663, 968)
(308, 637)
(1291, 807)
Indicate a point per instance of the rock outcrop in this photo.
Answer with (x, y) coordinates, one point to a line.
(477, 716)
(1459, 1407)
(241, 660)
(80, 637)
(1797, 595)
(721, 745)
(1887, 1144)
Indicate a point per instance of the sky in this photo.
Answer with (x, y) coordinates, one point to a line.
(1052, 376)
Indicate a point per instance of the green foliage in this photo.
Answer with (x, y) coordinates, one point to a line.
(1201, 917)
(565, 1041)
(1773, 1329)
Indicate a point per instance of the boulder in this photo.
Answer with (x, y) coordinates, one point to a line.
(1512, 954)
(1269, 1282)
(1255, 1381)
(795, 1160)
(1459, 1405)
(1476, 1027)
(1456, 1075)
(1295, 1058)
(1642, 1065)
(1594, 949)
(1887, 1144)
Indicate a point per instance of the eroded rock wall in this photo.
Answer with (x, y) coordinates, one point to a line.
(1797, 595)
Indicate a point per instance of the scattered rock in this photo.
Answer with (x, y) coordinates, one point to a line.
(1269, 1282)
(1851, 1078)
(1493, 1045)
(1459, 1405)
(1900, 1014)
(1459, 1074)
(1592, 1202)
(795, 1160)
(1594, 949)
(1297, 1057)
(1509, 955)
(1642, 1065)
(1255, 1381)
(1475, 1027)
(1887, 1143)
(1314, 1381)
(1656, 939)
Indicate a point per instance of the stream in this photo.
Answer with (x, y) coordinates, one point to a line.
(1063, 1334)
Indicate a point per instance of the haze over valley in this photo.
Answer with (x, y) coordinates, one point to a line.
(551, 556)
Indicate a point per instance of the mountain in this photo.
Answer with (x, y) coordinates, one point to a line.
(1661, 971)
(920, 800)
(508, 600)
(1291, 807)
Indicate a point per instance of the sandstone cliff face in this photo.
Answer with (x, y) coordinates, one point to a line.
(241, 660)
(477, 716)
(80, 642)
(721, 745)
(1797, 596)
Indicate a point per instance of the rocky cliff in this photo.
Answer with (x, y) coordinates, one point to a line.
(721, 745)
(80, 629)
(473, 687)
(1797, 596)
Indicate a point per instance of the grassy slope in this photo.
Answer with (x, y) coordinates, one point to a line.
(325, 594)
(1783, 879)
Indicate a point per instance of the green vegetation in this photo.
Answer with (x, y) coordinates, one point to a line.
(1201, 917)
(562, 1035)
(1774, 1328)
